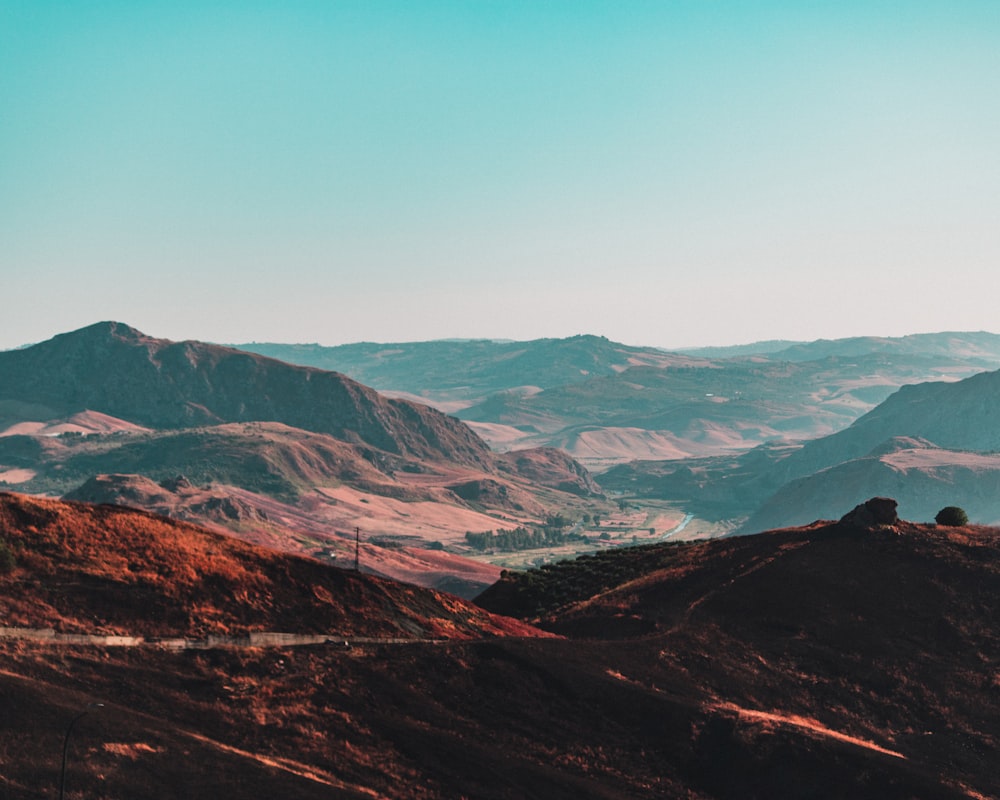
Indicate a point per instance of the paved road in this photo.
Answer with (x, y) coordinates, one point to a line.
(257, 639)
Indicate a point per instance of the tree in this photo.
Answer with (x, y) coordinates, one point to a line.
(952, 516)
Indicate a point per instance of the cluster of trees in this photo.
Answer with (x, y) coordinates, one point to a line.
(553, 532)
(536, 592)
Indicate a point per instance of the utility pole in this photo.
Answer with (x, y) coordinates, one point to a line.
(357, 548)
(65, 749)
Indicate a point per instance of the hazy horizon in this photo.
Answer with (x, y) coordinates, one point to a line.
(504, 340)
(666, 174)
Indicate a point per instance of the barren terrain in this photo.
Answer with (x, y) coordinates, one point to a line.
(829, 662)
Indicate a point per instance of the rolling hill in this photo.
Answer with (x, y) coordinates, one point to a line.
(956, 416)
(84, 568)
(838, 660)
(930, 445)
(922, 477)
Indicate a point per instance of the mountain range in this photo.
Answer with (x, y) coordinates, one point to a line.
(297, 456)
(194, 652)
(606, 403)
(287, 455)
(762, 434)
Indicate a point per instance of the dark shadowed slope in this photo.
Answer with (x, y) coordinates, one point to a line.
(886, 635)
(797, 664)
(826, 663)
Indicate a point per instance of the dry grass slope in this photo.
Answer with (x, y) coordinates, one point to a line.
(86, 568)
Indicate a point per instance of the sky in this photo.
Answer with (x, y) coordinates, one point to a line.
(674, 173)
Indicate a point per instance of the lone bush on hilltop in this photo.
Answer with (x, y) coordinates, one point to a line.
(952, 516)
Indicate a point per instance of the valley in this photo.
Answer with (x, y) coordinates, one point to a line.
(715, 434)
(255, 570)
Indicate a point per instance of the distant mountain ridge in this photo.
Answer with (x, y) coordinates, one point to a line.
(977, 345)
(601, 400)
(473, 367)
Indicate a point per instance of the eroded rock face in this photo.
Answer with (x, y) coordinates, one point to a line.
(874, 513)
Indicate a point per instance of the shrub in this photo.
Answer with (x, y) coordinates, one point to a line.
(7, 560)
(952, 516)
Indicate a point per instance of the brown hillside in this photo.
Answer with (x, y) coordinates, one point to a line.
(85, 568)
(827, 662)
(885, 634)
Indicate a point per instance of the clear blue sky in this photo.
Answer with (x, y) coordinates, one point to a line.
(662, 173)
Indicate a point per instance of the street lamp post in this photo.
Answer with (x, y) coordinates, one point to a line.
(69, 730)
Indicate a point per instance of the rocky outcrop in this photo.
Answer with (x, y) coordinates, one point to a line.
(878, 512)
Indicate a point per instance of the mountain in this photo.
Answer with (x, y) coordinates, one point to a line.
(838, 660)
(606, 403)
(922, 477)
(471, 368)
(118, 371)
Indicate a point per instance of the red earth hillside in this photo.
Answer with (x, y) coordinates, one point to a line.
(829, 662)
(87, 568)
